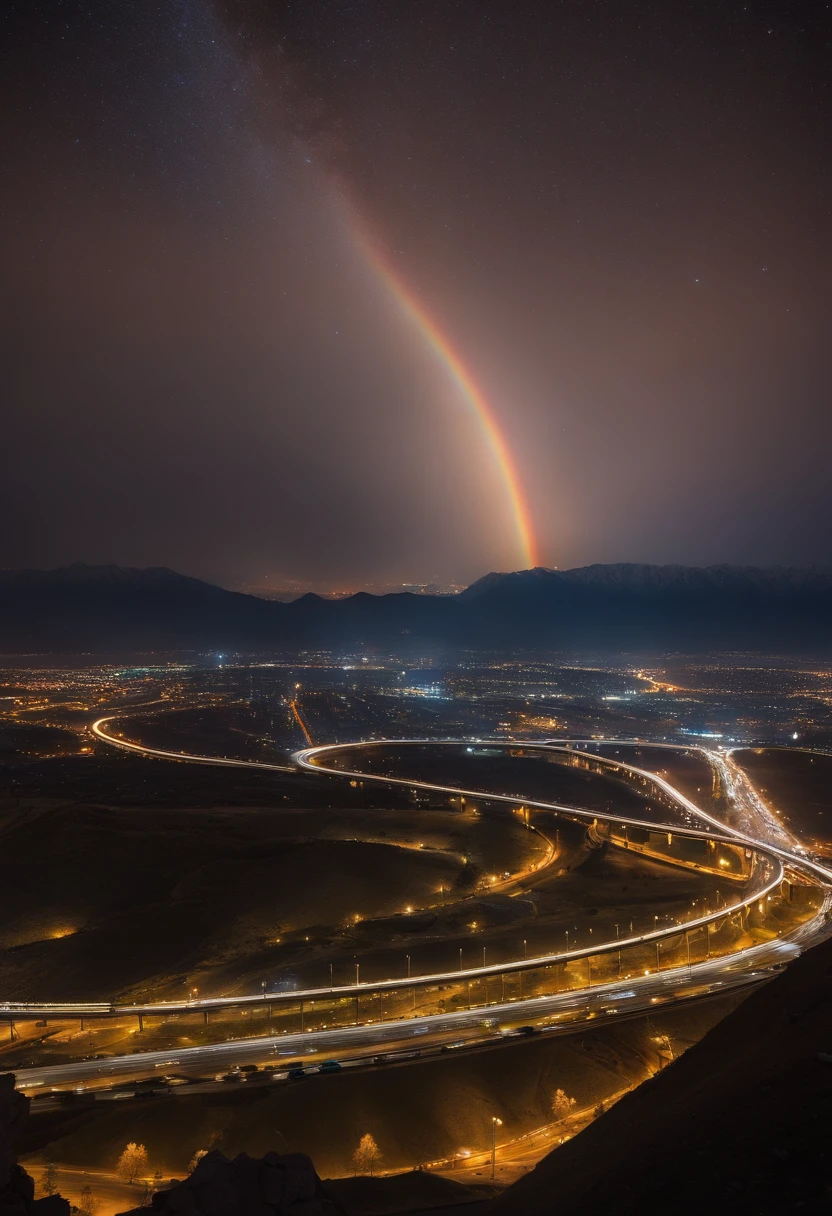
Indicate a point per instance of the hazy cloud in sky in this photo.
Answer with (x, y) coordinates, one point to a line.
(616, 213)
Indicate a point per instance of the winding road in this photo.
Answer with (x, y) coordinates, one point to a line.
(772, 852)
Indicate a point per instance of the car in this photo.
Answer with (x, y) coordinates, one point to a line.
(330, 1066)
(527, 1030)
(233, 1076)
(381, 1059)
(295, 1074)
(294, 1064)
(248, 1068)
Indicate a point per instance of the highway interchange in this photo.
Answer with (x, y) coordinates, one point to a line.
(400, 1038)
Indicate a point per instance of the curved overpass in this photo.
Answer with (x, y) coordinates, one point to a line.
(739, 966)
(770, 869)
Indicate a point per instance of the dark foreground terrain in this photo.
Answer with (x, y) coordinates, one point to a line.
(739, 1124)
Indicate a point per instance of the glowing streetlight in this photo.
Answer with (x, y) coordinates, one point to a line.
(495, 1123)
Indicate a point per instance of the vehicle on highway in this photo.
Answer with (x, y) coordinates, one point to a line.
(296, 1073)
(330, 1066)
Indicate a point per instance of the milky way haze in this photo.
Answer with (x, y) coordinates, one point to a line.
(616, 214)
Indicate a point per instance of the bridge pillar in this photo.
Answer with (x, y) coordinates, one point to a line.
(302, 1026)
(141, 1023)
(205, 1017)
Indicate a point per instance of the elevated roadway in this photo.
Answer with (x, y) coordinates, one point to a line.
(610, 998)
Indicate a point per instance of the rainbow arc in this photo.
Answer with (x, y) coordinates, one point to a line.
(462, 378)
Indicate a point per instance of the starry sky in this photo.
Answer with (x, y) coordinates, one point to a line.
(617, 213)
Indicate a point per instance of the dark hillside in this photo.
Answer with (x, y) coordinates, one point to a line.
(739, 1124)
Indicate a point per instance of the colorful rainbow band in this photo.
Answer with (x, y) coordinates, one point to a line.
(469, 390)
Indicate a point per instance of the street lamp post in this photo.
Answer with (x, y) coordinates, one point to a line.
(495, 1123)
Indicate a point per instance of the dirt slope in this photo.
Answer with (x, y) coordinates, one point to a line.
(738, 1124)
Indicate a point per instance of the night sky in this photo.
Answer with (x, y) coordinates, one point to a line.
(616, 215)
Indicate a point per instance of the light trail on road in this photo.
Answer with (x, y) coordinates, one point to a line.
(624, 997)
(306, 760)
(97, 729)
(742, 966)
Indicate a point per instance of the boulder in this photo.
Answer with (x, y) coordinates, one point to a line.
(17, 1188)
(274, 1185)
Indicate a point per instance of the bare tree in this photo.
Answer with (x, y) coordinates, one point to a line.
(132, 1163)
(49, 1179)
(367, 1156)
(88, 1203)
(561, 1106)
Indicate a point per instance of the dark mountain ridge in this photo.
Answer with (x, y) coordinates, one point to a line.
(619, 606)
